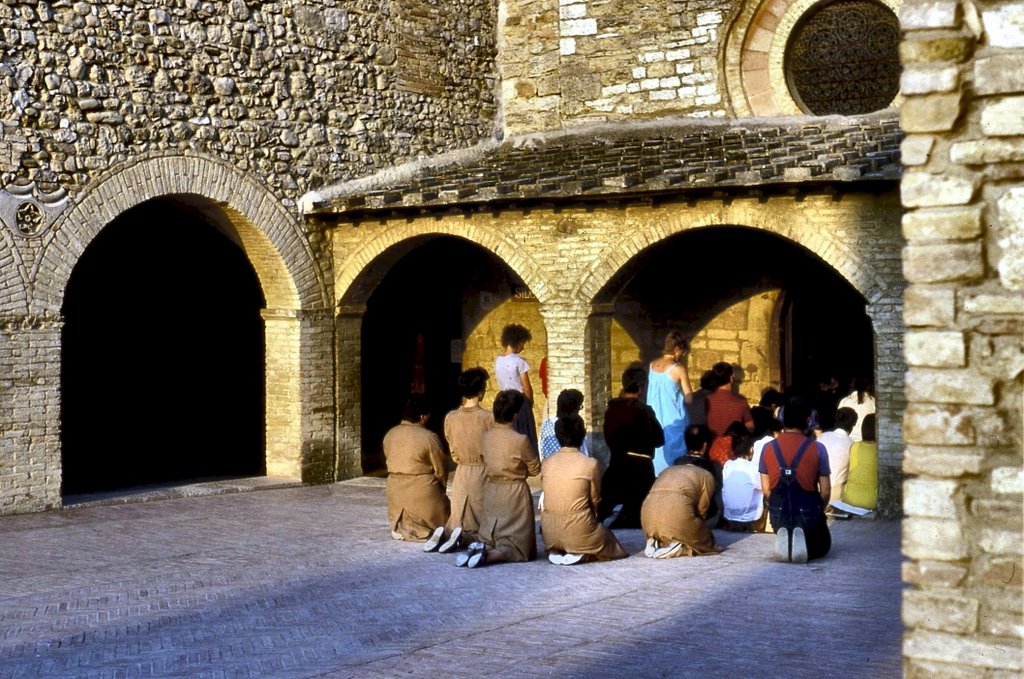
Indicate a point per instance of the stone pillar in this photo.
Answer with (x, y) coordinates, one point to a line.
(601, 383)
(964, 308)
(30, 458)
(300, 394)
(887, 320)
(349, 325)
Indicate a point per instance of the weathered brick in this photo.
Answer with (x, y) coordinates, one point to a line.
(985, 151)
(938, 425)
(1003, 117)
(938, 461)
(930, 189)
(916, 149)
(935, 50)
(940, 263)
(929, 306)
(925, 15)
(938, 539)
(999, 74)
(931, 113)
(1004, 25)
(935, 349)
(1008, 480)
(941, 612)
(934, 574)
(930, 498)
(949, 386)
(957, 223)
(962, 650)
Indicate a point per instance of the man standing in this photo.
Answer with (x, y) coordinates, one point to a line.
(723, 406)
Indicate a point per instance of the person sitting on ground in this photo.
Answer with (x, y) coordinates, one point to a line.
(417, 474)
(863, 403)
(698, 440)
(795, 478)
(572, 493)
(742, 495)
(837, 443)
(862, 482)
(723, 405)
(771, 400)
(570, 402)
(721, 447)
(766, 428)
(632, 432)
(676, 514)
(464, 429)
(507, 524)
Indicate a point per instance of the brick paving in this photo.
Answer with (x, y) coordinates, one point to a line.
(302, 582)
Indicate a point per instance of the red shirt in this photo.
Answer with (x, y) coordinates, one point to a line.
(813, 464)
(721, 450)
(723, 408)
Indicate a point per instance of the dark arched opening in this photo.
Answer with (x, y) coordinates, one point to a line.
(821, 327)
(430, 293)
(162, 354)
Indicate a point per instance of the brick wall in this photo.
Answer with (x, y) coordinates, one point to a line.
(964, 308)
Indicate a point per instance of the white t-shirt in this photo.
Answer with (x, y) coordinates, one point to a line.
(837, 442)
(507, 371)
(759, 445)
(741, 490)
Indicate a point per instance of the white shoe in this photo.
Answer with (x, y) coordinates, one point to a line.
(477, 559)
(799, 550)
(669, 551)
(434, 540)
(782, 544)
(452, 542)
(571, 559)
(555, 558)
(651, 548)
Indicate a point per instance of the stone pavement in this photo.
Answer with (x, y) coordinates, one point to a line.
(303, 582)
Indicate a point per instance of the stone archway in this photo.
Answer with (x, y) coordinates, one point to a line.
(299, 432)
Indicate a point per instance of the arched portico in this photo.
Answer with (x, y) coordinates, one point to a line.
(299, 435)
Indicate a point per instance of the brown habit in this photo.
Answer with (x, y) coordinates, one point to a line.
(675, 508)
(464, 428)
(417, 503)
(508, 521)
(572, 492)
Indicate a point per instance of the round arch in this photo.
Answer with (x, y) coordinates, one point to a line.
(858, 272)
(354, 284)
(270, 235)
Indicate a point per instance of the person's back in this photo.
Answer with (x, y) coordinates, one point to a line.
(862, 482)
(675, 512)
(742, 496)
(723, 406)
(837, 444)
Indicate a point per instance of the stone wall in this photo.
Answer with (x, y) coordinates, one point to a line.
(570, 62)
(964, 308)
(243, 107)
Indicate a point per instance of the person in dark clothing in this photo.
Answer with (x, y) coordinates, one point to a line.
(795, 478)
(632, 432)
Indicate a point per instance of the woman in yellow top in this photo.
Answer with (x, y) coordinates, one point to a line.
(861, 488)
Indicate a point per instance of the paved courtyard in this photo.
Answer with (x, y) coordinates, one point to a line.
(303, 582)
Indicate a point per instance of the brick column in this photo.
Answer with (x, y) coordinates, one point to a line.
(300, 394)
(887, 320)
(349, 325)
(30, 458)
(964, 262)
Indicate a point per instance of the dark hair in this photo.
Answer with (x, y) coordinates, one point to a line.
(569, 402)
(697, 436)
(634, 379)
(861, 385)
(514, 334)
(796, 413)
(869, 428)
(771, 399)
(846, 418)
(472, 382)
(416, 406)
(722, 373)
(675, 340)
(707, 381)
(736, 429)
(764, 421)
(570, 431)
(506, 405)
(741, 445)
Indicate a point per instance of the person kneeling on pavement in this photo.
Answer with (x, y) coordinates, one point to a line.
(572, 493)
(795, 479)
(675, 515)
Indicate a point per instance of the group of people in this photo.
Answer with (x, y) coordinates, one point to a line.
(674, 479)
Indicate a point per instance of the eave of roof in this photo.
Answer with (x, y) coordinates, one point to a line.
(630, 161)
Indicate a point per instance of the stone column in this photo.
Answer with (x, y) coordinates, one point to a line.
(30, 455)
(300, 394)
(964, 308)
(349, 325)
(887, 320)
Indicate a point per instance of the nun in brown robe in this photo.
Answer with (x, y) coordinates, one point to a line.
(417, 474)
(572, 493)
(675, 510)
(507, 526)
(464, 429)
